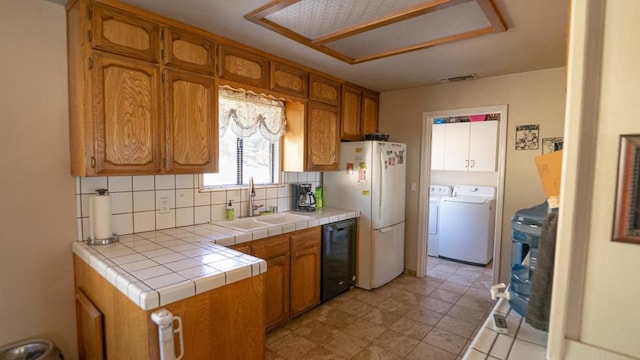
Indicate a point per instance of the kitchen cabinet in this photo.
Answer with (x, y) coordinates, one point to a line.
(123, 120)
(305, 270)
(227, 321)
(123, 130)
(312, 139)
(369, 123)
(351, 112)
(90, 324)
(359, 113)
(122, 33)
(275, 251)
(323, 135)
(289, 80)
(242, 66)
(324, 90)
(188, 51)
(468, 146)
(191, 123)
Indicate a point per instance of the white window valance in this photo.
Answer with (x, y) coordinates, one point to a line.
(245, 113)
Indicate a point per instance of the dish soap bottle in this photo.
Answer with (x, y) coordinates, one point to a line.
(230, 211)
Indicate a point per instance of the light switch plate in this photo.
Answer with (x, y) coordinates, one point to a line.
(164, 205)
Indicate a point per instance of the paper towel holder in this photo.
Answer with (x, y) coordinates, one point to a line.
(106, 241)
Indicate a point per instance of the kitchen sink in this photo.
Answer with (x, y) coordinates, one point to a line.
(282, 218)
(261, 222)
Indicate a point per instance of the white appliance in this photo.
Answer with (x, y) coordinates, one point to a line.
(436, 192)
(372, 179)
(467, 224)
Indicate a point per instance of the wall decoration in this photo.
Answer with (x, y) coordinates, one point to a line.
(626, 226)
(527, 137)
(550, 145)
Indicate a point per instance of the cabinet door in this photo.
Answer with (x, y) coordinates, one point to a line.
(438, 134)
(305, 270)
(369, 114)
(125, 34)
(275, 251)
(90, 322)
(277, 291)
(288, 79)
(457, 147)
(188, 51)
(126, 115)
(238, 65)
(324, 90)
(192, 126)
(483, 145)
(323, 135)
(351, 111)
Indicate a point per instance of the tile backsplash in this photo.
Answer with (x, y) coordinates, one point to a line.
(135, 200)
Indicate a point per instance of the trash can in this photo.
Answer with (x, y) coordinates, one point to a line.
(30, 349)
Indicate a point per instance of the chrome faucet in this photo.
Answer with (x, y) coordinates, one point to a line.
(252, 194)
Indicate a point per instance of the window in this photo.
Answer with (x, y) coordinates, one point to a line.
(249, 144)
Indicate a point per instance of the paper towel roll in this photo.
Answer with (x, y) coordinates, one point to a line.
(100, 217)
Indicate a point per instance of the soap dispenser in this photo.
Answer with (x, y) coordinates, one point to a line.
(230, 211)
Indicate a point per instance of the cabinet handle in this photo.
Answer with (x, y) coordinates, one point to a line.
(93, 162)
(473, 163)
(466, 164)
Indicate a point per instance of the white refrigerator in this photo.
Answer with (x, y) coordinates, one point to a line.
(371, 180)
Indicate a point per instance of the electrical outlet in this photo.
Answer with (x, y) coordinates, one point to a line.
(164, 205)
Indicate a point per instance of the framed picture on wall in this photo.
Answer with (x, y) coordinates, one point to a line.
(527, 137)
(626, 225)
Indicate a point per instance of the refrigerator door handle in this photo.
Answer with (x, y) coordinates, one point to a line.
(386, 230)
(381, 180)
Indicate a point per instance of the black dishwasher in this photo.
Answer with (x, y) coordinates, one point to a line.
(338, 258)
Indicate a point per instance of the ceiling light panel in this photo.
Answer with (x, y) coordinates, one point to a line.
(314, 19)
(460, 19)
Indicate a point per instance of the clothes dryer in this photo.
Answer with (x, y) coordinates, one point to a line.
(436, 192)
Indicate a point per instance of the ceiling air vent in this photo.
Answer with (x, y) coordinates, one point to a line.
(459, 78)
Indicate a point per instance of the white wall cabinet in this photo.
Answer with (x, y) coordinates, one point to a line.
(464, 146)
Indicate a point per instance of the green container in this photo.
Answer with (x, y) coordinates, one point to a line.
(319, 196)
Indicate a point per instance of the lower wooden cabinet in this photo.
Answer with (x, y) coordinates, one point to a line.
(305, 279)
(292, 283)
(226, 322)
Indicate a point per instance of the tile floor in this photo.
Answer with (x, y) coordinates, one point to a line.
(409, 318)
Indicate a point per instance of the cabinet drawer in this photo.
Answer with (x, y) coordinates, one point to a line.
(242, 66)
(243, 248)
(188, 51)
(305, 239)
(125, 34)
(272, 247)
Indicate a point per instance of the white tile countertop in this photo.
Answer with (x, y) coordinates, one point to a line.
(160, 267)
(523, 342)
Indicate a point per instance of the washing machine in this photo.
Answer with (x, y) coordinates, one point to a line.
(467, 224)
(436, 192)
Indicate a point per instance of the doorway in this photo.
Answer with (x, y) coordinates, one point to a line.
(496, 178)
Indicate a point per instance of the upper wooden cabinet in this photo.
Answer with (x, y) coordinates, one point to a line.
(242, 66)
(123, 129)
(122, 33)
(288, 79)
(323, 137)
(324, 90)
(359, 113)
(187, 51)
(191, 123)
(351, 112)
(369, 123)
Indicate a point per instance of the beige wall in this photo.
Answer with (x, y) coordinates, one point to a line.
(38, 208)
(533, 98)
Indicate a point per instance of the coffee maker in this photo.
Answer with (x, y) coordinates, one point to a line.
(303, 198)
